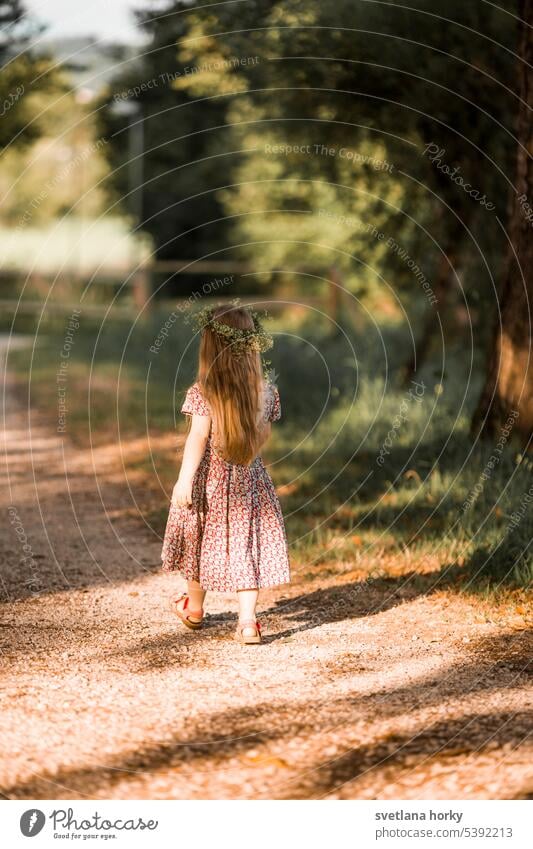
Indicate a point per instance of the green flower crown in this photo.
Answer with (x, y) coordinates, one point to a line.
(255, 339)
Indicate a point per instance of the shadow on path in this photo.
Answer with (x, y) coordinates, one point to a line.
(493, 664)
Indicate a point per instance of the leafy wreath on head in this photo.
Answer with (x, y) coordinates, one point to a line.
(255, 338)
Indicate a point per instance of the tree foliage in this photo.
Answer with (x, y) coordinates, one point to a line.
(24, 75)
(277, 118)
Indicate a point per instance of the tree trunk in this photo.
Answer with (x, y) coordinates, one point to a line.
(509, 378)
(441, 289)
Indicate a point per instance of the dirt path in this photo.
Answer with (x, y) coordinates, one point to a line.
(361, 689)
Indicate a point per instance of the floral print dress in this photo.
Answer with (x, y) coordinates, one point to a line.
(233, 536)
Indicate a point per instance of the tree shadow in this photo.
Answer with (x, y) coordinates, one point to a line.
(492, 663)
(188, 749)
(470, 734)
(306, 611)
(50, 636)
(171, 649)
(352, 600)
(526, 793)
(211, 740)
(99, 548)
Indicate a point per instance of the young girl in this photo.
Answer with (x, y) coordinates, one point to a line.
(225, 529)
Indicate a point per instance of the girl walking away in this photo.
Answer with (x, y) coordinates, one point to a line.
(225, 529)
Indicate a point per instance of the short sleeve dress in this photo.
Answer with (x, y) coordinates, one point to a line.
(233, 536)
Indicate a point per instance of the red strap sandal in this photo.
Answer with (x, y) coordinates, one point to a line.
(248, 639)
(192, 619)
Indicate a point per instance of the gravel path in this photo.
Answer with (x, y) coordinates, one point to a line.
(386, 689)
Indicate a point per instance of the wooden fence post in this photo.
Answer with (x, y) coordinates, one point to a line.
(142, 289)
(334, 299)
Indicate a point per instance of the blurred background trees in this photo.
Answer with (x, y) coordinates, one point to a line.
(297, 135)
(181, 173)
(364, 146)
(18, 71)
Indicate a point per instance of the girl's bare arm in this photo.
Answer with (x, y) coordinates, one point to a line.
(192, 456)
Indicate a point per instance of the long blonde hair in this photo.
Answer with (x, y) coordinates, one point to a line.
(232, 383)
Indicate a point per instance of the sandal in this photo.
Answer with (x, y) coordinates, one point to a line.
(192, 619)
(253, 638)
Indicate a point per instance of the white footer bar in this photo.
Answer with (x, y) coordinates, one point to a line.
(273, 824)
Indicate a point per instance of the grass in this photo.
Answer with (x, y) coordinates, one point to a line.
(370, 476)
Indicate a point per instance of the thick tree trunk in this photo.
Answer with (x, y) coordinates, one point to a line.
(509, 379)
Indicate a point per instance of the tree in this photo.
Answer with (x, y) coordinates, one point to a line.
(181, 171)
(20, 77)
(434, 75)
(371, 78)
(509, 378)
(358, 75)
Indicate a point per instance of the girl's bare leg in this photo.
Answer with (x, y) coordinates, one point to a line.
(247, 605)
(196, 595)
